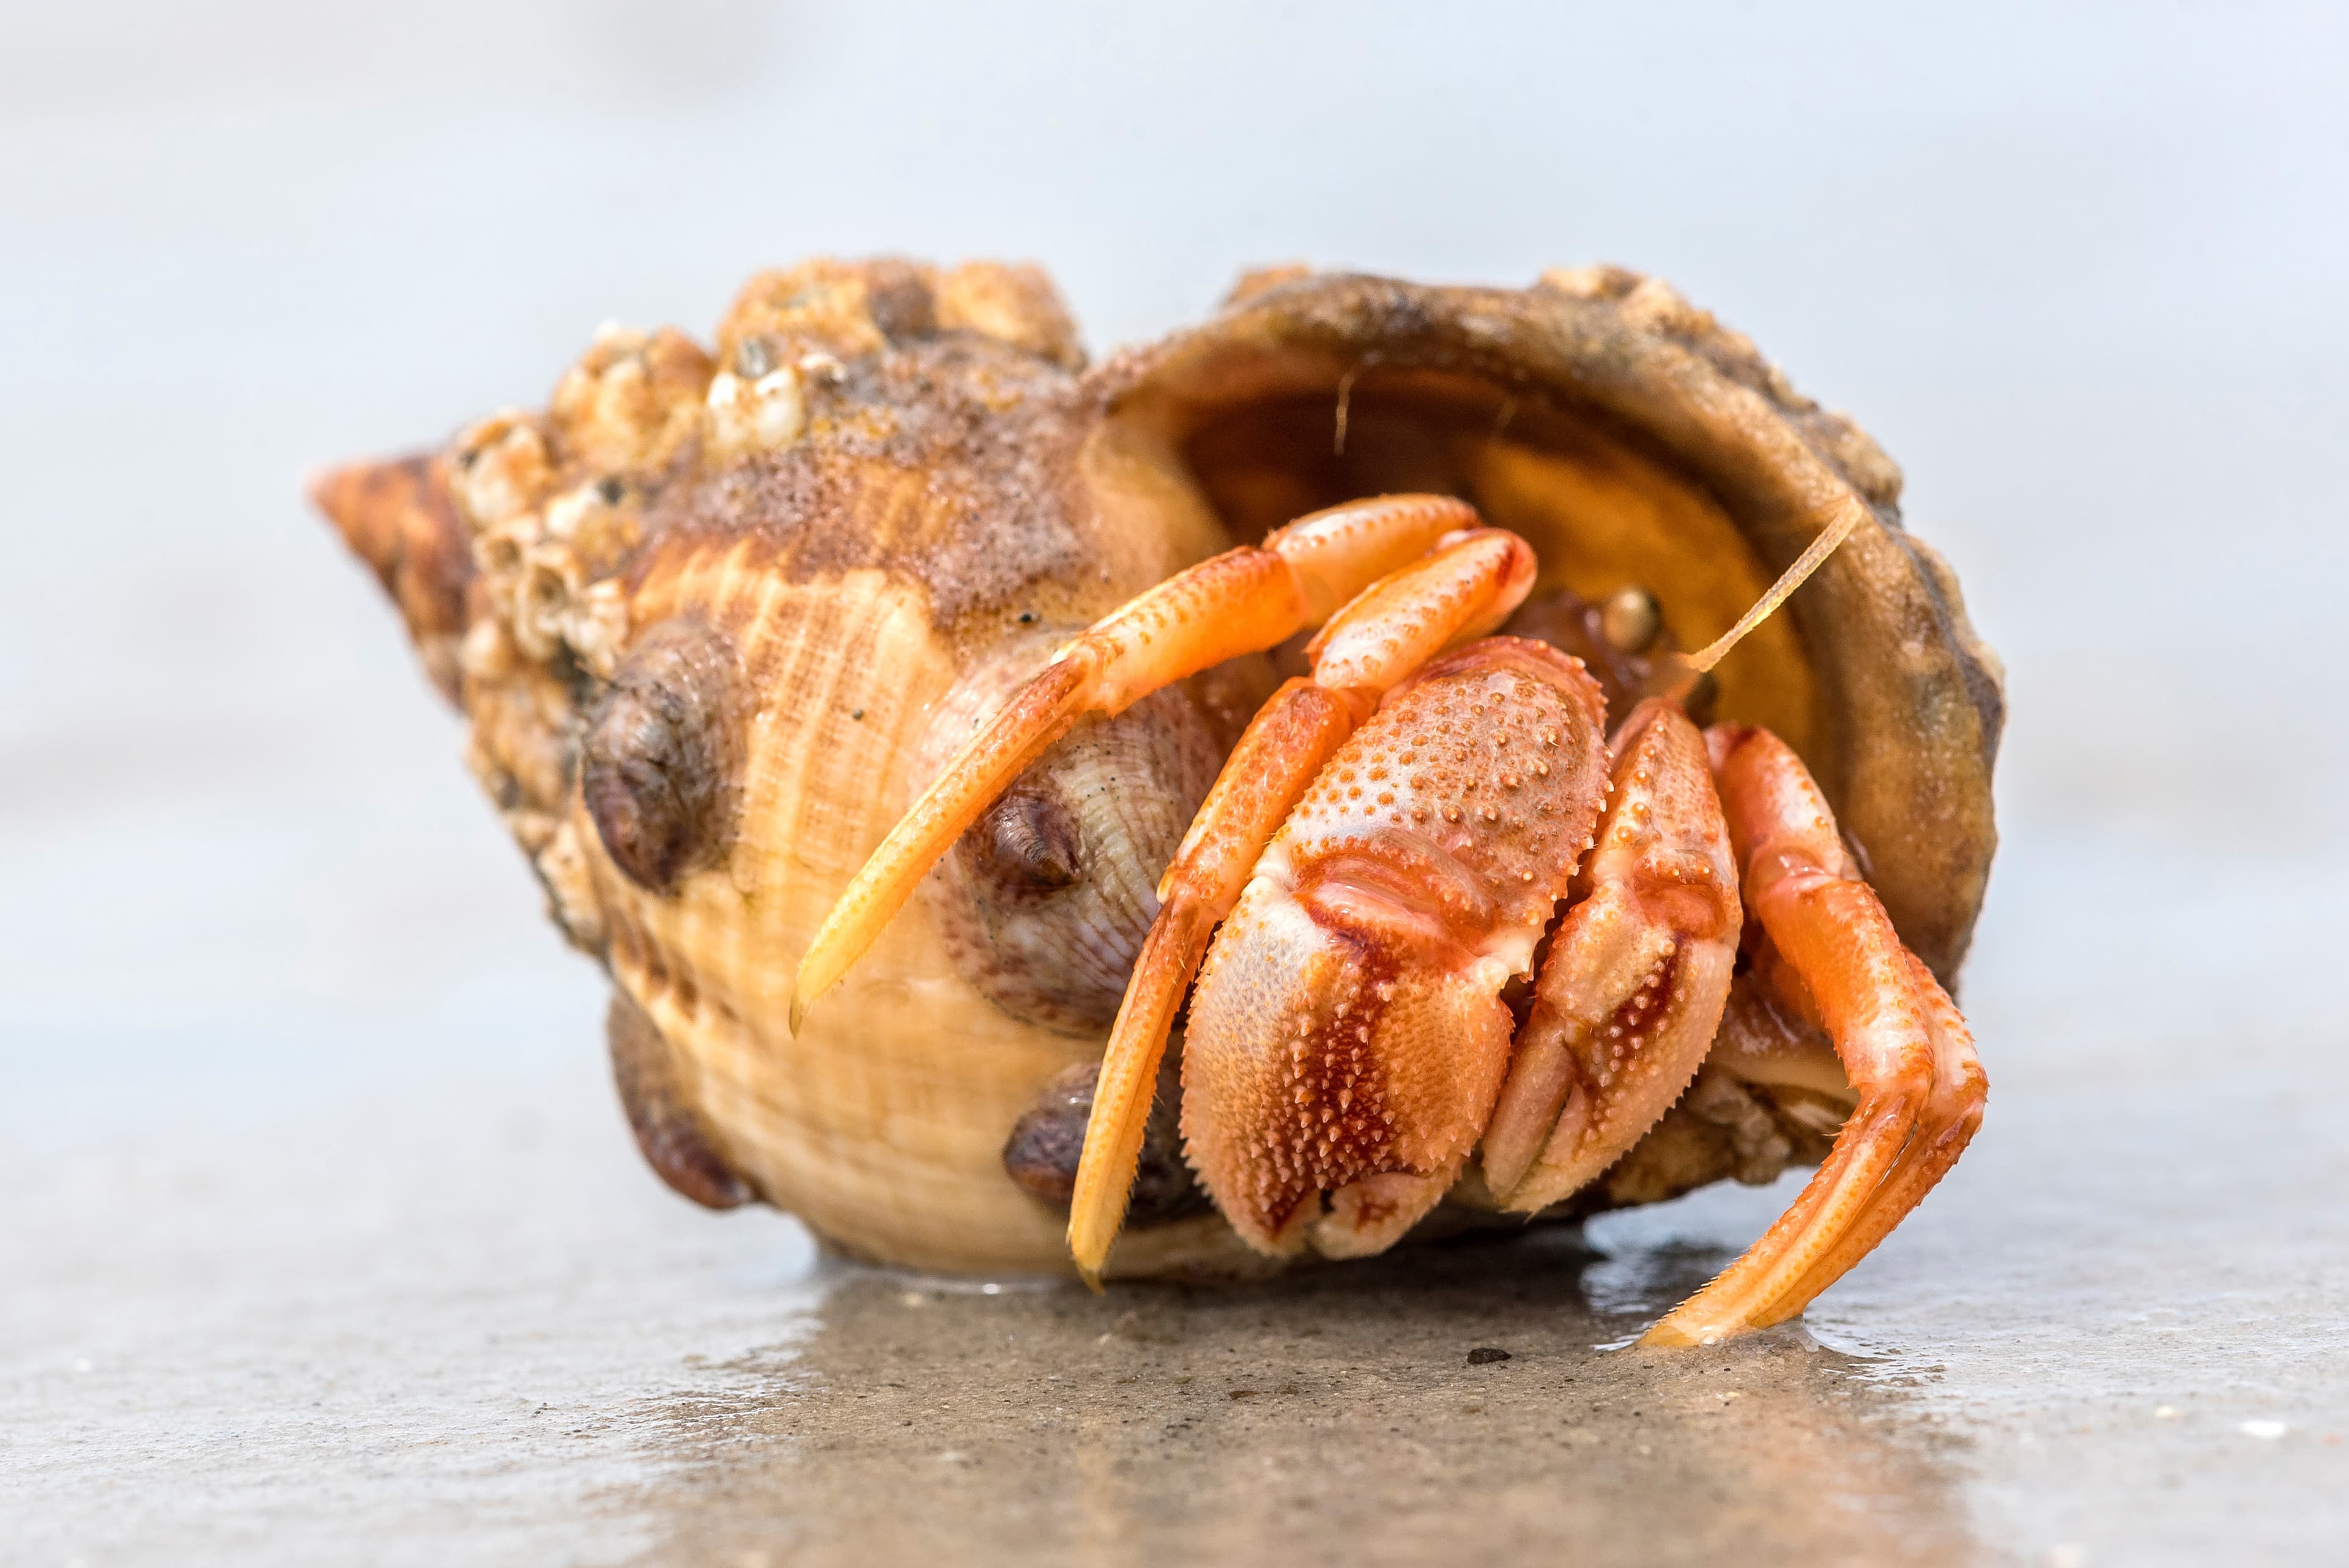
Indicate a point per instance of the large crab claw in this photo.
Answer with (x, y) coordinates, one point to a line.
(1635, 980)
(1347, 1036)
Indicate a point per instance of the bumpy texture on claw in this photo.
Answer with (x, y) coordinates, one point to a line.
(1347, 1036)
(1903, 1046)
(1465, 587)
(1633, 986)
(1268, 771)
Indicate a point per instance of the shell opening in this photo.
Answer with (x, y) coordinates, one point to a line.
(1605, 510)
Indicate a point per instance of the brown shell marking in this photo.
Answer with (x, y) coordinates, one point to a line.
(668, 1127)
(1042, 1151)
(663, 756)
(1044, 902)
(399, 518)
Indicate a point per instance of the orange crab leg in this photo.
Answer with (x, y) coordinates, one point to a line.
(1902, 1045)
(1460, 592)
(1944, 1128)
(1242, 601)
(1286, 745)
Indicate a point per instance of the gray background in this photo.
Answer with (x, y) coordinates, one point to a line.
(319, 1234)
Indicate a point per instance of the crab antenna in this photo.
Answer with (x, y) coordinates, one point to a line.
(1854, 514)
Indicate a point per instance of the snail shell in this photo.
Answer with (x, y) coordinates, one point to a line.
(714, 618)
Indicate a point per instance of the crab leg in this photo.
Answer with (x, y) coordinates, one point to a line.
(1633, 987)
(1242, 601)
(1944, 1130)
(1286, 745)
(1388, 632)
(1903, 1047)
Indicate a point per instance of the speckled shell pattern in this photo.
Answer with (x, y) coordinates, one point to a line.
(716, 614)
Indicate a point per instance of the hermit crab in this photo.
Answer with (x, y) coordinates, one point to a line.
(1387, 761)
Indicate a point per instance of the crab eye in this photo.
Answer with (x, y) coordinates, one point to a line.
(1629, 620)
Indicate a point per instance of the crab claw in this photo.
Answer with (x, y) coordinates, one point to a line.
(1382, 636)
(1242, 601)
(1635, 980)
(1347, 1036)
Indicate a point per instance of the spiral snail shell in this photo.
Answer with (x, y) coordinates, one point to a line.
(715, 615)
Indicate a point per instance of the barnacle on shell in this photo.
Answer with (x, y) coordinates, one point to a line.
(714, 616)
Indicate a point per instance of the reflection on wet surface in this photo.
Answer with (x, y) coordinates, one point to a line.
(1352, 1414)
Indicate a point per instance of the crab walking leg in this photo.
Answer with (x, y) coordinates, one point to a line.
(1242, 601)
(1949, 1119)
(1286, 745)
(1380, 639)
(1633, 987)
(1831, 929)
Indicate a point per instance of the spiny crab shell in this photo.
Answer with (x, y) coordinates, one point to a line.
(716, 617)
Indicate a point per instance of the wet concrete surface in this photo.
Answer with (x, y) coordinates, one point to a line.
(321, 1238)
(448, 1320)
(388, 1367)
(1459, 1402)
